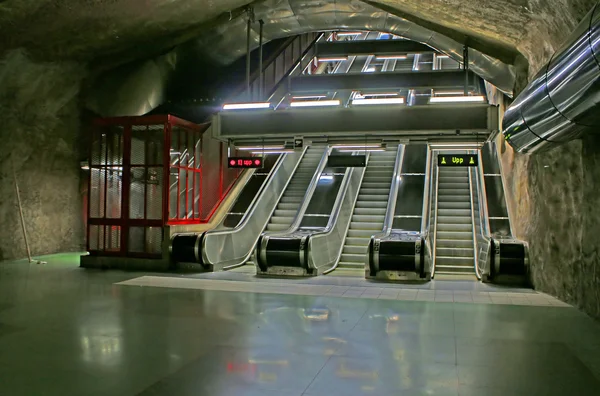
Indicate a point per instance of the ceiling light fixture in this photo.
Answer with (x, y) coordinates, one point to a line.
(391, 57)
(315, 103)
(352, 146)
(252, 148)
(246, 106)
(378, 101)
(284, 151)
(309, 97)
(333, 59)
(342, 34)
(457, 99)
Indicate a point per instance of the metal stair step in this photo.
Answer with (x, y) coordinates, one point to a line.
(375, 227)
(454, 261)
(454, 235)
(343, 264)
(370, 211)
(454, 219)
(285, 212)
(288, 206)
(369, 184)
(372, 204)
(373, 197)
(454, 252)
(451, 270)
(454, 205)
(374, 191)
(454, 212)
(454, 198)
(277, 227)
(353, 258)
(453, 243)
(281, 220)
(361, 233)
(379, 179)
(357, 241)
(443, 227)
(453, 186)
(292, 199)
(354, 249)
(359, 218)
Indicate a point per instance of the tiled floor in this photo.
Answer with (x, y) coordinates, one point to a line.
(372, 291)
(68, 331)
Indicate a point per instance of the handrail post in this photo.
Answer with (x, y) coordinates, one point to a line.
(261, 82)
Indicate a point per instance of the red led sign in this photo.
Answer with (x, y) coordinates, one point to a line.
(245, 162)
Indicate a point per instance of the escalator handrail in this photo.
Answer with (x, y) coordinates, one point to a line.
(251, 212)
(485, 216)
(434, 207)
(474, 193)
(332, 223)
(503, 179)
(307, 197)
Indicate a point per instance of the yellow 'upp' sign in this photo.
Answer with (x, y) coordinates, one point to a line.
(458, 160)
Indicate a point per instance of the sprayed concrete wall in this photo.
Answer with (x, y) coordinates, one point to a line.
(40, 138)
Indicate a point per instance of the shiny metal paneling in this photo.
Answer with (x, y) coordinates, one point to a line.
(495, 197)
(410, 196)
(415, 159)
(407, 224)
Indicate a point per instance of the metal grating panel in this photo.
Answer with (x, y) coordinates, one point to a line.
(136, 192)
(173, 185)
(97, 191)
(93, 237)
(154, 185)
(211, 168)
(114, 190)
(145, 240)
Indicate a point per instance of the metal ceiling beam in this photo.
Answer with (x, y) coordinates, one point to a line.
(370, 47)
(405, 121)
(438, 79)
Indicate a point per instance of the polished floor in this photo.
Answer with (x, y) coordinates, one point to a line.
(69, 331)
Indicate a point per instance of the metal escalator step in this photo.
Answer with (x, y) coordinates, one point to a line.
(285, 212)
(454, 261)
(372, 204)
(360, 218)
(369, 184)
(281, 220)
(294, 193)
(375, 227)
(450, 191)
(454, 205)
(453, 198)
(353, 249)
(285, 199)
(454, 219)
(454, 213)
(361, 233)
(375, 191)
(357, 241)
(443, 227)
(455, 252)
(378, 179)
(288, 206)
(369, 211)
(373, 197)
(453, 186)
(349, 265)
(454, 235)
(453, 243)
(277, 227)
(449, 270)
(353, 258)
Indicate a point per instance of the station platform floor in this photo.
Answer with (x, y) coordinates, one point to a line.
(70, 331)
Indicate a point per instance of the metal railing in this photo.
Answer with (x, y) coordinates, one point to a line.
(481, 227)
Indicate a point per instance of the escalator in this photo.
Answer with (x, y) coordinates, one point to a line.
(290, 202)
(370, 209)
(454, 246)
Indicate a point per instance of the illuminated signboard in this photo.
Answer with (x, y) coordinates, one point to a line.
(245, 162)
(458, 160)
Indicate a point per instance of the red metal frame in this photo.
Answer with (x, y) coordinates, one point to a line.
(193, 135)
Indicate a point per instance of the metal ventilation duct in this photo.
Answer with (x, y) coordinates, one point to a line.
(562, 101)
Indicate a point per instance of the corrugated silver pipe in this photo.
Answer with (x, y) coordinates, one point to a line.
(563, 100)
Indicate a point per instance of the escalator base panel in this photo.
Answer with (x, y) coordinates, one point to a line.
(399, 276)
(285, 271)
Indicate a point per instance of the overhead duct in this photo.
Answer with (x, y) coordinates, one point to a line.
(562, 101)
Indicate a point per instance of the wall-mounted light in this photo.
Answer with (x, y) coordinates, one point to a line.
(378, 101)
(357, 146)
(315, 103)
(369, 150)
(284, 151)
(246, 106)
(309, 97)
(253, 148)
(457, 99)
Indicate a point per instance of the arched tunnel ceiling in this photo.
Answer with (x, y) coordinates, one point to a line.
(112, 32)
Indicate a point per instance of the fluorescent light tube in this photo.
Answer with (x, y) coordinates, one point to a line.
(352, 146)
(457, 99)
(342, 34)
(368, 149)
(309, 97)
(246, 106)
(272, 151)
(315, 103)
(369, 70)
(253, 148)
(333, 59)
(326, 177)
(391, 57)
(378, 101)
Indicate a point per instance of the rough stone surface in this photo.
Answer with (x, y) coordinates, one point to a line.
(39, 135)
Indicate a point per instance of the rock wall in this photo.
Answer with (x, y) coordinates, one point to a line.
(40, 138)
